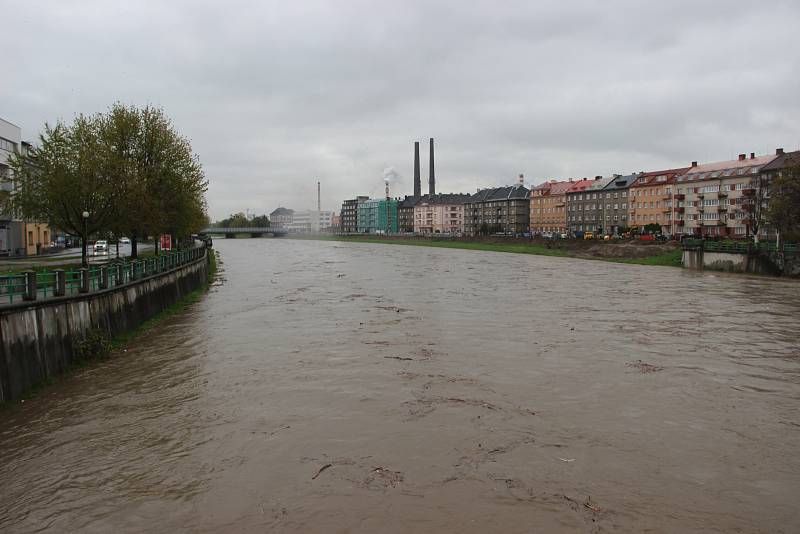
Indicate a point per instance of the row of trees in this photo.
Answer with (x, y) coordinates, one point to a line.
(128, 169)
(240, 220)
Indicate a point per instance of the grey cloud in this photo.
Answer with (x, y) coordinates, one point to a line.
(276, 95)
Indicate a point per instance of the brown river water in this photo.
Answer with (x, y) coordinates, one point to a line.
(340, 387)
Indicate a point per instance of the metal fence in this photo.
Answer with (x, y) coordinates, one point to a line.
(741, 247)
(35, 285)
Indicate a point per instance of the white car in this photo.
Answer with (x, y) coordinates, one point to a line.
(124, 241)
(101, 246)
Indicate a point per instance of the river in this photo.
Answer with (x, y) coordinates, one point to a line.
(342, 387)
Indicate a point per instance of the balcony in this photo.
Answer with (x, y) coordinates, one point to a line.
(680, 209)
(680, 196)
(701, 195)
(722, 194)
(748, 191)
(721, 208)
(680, 222)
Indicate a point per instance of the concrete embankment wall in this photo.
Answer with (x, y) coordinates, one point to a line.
(37, 338)
(740, 263)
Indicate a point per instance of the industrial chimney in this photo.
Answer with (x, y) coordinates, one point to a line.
(417, 183)
(432, 178)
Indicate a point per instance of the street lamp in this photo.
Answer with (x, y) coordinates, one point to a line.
(84, 263)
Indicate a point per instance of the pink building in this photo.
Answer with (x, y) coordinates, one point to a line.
(440, 214)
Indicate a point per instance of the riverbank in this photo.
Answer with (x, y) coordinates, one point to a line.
(631, 252)
(92, 327)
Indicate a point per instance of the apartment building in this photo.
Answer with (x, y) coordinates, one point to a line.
(615, 205)
(378, 216)
(405, 213)
(716, 199)
(440, 214)
(584, 204)
(349, 215)
(548, 207)
(651, 200)
(500, 209)
(13, 240)
(281, 217)
(769, 172)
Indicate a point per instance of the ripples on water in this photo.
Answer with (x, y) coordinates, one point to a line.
(330, 387)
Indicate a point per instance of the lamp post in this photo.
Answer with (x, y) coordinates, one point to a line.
(84, 263)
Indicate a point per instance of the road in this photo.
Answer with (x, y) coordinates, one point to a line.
(68, 256)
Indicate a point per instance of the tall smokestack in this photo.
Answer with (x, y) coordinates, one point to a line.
(417, 183)
(432, 178)
(319, 204)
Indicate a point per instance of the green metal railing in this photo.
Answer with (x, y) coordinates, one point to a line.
(740, 247)
(32, 285)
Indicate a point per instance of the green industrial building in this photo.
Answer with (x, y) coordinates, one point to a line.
(377, 216)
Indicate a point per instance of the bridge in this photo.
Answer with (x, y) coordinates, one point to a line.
(254, 231)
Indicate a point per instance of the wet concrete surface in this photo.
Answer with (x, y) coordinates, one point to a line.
(345, 387)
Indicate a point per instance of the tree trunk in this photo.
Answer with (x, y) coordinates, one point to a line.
(84, 263)
(134, 250)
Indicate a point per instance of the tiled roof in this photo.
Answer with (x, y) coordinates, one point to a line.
(409, 202)
(650, 178)
(620, 182)
(789, 159)
(282, 211)
(445, 198)
(724, 169)
(580, 186)
(600, 183)
(500, 193)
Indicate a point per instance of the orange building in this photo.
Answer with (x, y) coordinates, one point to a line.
(548, 207)
(652, 200)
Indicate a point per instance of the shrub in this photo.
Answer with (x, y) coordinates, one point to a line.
(95, 345)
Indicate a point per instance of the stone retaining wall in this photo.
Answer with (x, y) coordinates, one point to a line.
(37, 338)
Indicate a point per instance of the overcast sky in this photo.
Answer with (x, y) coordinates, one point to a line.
(275, 95)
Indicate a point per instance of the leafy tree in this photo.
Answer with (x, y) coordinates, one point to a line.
(261, 221)
(65, 177)
(784, 205)
(128, 168)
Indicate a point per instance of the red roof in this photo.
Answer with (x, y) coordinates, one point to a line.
(579, 186)
(649, 178)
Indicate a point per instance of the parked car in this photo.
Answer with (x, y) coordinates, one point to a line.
(124, 241)
(588, 235)
(101, 246)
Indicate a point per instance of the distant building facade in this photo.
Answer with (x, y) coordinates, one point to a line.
(581, 205)
(615, 205)
(717, 198)
(378, 216)
(405, 213)
(652, 200)
(281, 217)
(548, 207)
(13, 235)
(500, 209)
(440, 214)
(310, 221)
(349, 214)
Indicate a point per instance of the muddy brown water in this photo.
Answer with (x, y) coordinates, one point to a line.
(343, 387)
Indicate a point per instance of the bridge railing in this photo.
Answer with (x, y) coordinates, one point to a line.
(37, 285)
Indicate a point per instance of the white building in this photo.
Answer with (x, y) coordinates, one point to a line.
(310, 221)
(11, 230)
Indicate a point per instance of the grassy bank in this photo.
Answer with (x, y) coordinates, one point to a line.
(516, 248)
(560, 249)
